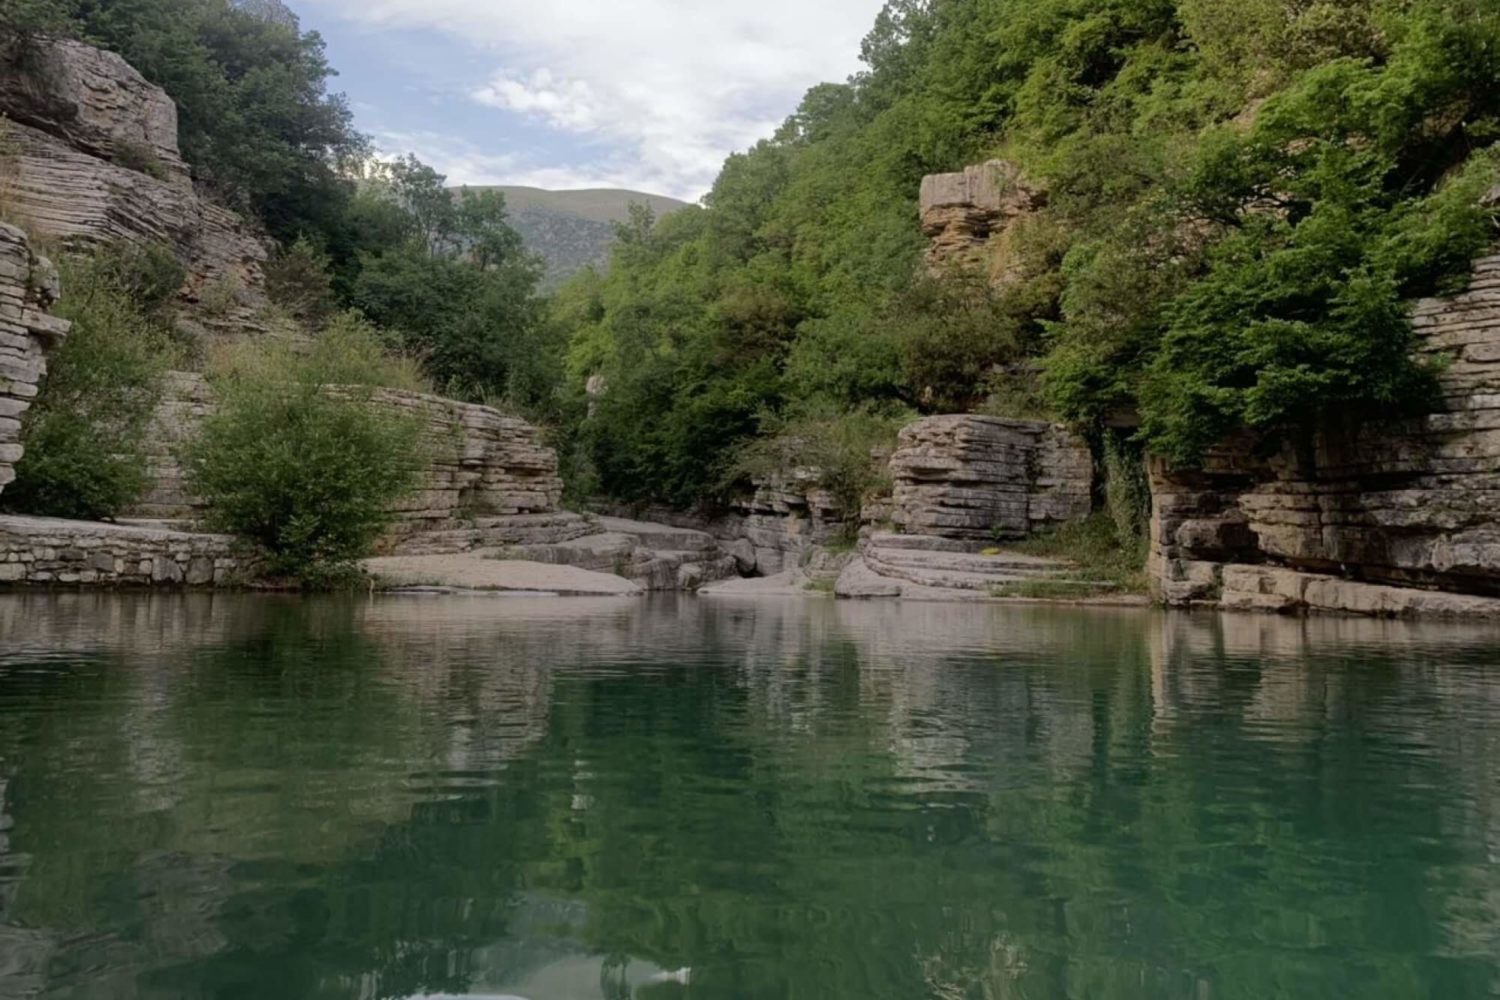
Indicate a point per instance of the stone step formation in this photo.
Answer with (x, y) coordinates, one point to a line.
(995, 572)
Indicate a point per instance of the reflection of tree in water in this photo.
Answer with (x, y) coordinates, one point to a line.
(822, 802)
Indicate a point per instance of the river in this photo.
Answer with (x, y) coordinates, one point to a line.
(233, 796)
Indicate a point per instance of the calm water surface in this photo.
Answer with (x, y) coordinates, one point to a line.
(237, 797)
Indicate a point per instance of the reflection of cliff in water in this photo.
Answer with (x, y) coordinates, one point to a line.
(471, 795)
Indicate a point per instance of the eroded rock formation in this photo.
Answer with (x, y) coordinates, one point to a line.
(966, 476)
(484, 464)
(968, 212)
(769, 530)
(1409, 503)
(95, 102)
(28, 287)
(90, 155)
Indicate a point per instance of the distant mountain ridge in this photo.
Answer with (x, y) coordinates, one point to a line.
(570, 230)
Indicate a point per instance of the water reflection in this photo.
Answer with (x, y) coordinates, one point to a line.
(225, 796)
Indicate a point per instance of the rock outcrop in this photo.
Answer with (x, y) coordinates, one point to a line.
(485, 466)
(1408, 504)
(965, 476)
(655, 556)
(964, 213)
(768, 531)
(95, 102)
(28, 286)
(89, 155)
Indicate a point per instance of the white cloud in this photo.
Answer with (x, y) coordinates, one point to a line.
(670, 87)
(464, 162)
(567, 104)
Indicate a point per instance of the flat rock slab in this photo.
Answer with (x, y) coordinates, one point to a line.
(467, 572)
(858, 581)
(660, 536)
(788, 584)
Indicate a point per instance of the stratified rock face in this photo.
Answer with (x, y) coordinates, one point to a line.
(492, 465)
(767, 531)
(1412, 503)
(484, 463)
(785, 518)
(90, 156)
(963, 212)
(28, 286)
(971, 477)
(95, 102)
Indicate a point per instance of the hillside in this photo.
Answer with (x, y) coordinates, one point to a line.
(1221, 212)
(572, 229)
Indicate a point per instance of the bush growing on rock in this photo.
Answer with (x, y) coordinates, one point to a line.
(841, 451)
(85, 436)
(298, 279)
(299, 457)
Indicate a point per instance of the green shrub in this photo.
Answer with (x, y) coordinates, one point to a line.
(298, 279)
(85, 436)
(1103, 554)
(299, 457)
(840, 450)
(1127, 493)
(148, 276)
(139, 157)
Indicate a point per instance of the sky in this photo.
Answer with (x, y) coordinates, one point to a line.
(650, 95)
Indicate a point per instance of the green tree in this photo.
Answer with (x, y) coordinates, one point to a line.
(85, 437)
(300, 457)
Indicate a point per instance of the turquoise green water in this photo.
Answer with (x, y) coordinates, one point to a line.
(235, 797)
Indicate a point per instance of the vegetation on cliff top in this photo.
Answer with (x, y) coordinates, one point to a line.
(1240, 200)
(446, 275)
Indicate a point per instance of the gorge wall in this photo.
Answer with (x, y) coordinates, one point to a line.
(89, 155)
(1384, 517)
(1409, 504)
(28, 286)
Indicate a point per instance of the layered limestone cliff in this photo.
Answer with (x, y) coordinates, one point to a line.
(978, 478)
(1406, 504)
(89, 155)
(484, 464)
(967, 216)
(774, 528)
(28, 286)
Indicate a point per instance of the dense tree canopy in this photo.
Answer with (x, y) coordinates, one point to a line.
(1240, 199)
